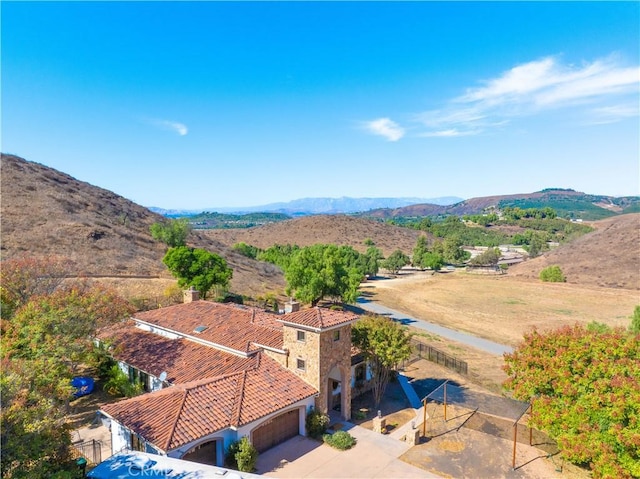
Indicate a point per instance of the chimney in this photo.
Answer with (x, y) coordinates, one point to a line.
(291, 306)
(191, 295)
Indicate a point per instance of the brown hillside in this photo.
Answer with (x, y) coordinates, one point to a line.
(46, 212)
(335, 229)
(608, 256)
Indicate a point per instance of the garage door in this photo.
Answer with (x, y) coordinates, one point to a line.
(277, 430)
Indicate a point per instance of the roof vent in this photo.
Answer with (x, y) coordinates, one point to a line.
(200, 329)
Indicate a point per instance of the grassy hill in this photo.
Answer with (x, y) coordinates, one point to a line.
(47, 212)
(308, 230)
(607, 257)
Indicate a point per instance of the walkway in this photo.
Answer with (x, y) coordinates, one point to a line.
(464, 338)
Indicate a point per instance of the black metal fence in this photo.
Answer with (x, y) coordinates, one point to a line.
(90, 450)
(424, 351)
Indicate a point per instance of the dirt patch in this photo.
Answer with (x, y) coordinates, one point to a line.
(394, 407)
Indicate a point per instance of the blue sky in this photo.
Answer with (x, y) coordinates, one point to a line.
(222, 104)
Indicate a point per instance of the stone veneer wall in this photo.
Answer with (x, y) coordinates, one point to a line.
(321, 354)
(307, 350)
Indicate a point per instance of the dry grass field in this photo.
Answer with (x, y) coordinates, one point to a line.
(501, 308)
(498, 308)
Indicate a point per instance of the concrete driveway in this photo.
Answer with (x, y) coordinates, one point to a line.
(374, 456)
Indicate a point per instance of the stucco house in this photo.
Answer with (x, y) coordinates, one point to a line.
(217, 372)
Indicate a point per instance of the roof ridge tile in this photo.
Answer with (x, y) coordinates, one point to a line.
(175, 422)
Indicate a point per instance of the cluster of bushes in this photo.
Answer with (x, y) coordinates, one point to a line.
(317, 424)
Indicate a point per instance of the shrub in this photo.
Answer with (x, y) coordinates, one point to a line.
(340, 440)
(118, 384)
(230, 455)
(246, 456)
(552, 274)
(317, 424)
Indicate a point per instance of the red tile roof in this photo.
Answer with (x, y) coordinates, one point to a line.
(229, 325)
(177, 415)
(318, 318)
(181, 359)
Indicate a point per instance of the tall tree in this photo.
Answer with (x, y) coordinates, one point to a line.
(173, 233)
(585, 387)
(320, 271)
(61, 326)
(384, 343)
(372, 258)
(419, 250)
(35, 438)
(198, 268)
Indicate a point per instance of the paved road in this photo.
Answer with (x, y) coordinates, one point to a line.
(464, 338)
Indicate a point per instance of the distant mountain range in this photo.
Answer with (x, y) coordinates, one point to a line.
(316, 206)
(566, 202)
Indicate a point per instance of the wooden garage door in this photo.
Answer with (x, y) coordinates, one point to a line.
(277, 430)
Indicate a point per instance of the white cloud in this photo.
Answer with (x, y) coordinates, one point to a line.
(533, 87)
(386, 128)
(613, 113)
(450, 133)
(179, 128)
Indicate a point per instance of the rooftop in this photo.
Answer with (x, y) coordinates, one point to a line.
(318, 318)
(179, 414)
(229, 325)
(183, 360)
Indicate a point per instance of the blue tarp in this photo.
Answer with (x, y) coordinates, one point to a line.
(83, 385)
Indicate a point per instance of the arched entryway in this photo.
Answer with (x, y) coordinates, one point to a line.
(339, 391)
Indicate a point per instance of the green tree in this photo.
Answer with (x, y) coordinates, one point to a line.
(432, 261)
(585, 388)
(279, 254)
(372, 258)
(395, 261)
(489, 258)
(319, 271)
(635, 321)
(384, 344)
(369, 242)
(453, 252)
(552, 274)
(173, 233)
(419, 250)
(61, 326)
(35, 438)
(198, 268)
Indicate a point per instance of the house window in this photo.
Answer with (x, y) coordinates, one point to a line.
(336, 335)
(137, 444)
(360, 372)
(300, 364)
(301, 336)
